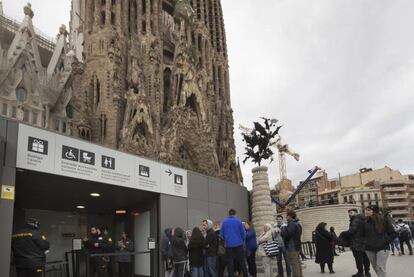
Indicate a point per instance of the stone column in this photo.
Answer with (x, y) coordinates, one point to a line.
(261, 203)
(261, 207)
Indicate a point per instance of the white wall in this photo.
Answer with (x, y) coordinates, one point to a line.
(141, 234)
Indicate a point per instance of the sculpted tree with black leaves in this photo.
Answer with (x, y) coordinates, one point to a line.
(260, 139)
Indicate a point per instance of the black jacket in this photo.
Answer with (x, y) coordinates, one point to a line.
(324, 246)
(166, 248)
(356, 232)
(291, 235)
(195, 250)
(103, 246)
(179, 248)
(376, 241)
(211, 243)
(29, 247)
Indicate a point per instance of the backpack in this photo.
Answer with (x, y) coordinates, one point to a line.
(271, 248)
(404, 232)
(221, 249)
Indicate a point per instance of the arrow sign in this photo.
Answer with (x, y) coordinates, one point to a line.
(169, 172)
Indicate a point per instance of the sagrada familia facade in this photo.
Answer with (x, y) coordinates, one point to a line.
(149, 77)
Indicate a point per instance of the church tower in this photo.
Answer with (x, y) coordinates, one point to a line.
(154, 81)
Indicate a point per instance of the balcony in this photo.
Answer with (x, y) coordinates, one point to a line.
(397, 204)
(400, 212)
(393, 189)
(397, 196)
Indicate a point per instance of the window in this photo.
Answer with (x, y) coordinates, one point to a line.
(64, 127)
(361, 197)
(14, 112)
(34, 118)
(25, 115)
(345, 199)
(98, 92)
(376, 197)
(4, 110)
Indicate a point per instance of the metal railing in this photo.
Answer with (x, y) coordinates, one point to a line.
(56, 269)
(309, 249)
(13, 26)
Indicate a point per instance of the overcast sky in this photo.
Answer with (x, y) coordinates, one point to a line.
(338, 74)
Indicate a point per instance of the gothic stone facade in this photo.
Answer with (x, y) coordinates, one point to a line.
(149, 77)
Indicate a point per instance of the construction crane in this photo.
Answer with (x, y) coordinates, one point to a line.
(282, 150)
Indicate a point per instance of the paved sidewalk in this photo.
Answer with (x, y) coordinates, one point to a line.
(344, 266)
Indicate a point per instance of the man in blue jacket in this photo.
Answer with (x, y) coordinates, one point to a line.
(234, 235)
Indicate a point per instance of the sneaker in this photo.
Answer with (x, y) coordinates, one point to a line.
(368, 274)
(331, 272)
(392, 254)
(358, 275)
(399, 254)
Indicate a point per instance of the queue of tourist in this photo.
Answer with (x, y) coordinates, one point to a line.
(232, 246)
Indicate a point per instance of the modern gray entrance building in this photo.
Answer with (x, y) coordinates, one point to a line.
(71, 184)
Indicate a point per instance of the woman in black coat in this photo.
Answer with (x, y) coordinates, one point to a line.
(195, 250)
(323, 241)
(179, 252)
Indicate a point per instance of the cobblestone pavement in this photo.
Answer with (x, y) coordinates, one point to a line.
(344, 266)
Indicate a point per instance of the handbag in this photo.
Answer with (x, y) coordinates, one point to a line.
(271, 248)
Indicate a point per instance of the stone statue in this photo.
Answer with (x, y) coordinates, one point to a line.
(183, 12)
(260, 140)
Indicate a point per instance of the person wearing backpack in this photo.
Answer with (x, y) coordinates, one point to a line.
(251, 247)
(378, 234)
(404, 235)
(323, 242)
(264, 238)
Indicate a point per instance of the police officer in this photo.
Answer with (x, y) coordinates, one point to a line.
(29, 250)
(96, 244)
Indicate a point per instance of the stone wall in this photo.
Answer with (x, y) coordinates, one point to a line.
(333, 215)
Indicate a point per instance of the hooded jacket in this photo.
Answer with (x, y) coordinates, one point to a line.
(166, 247)
(265, 237)
(179, 248)
(211, 241)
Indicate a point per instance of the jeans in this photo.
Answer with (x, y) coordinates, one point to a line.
(407, 241)
(295, 263)
(283, 255)
(361, 261)
(395, 244)
(236, 254)
(379, 261)
(211, 267)
(251, 263)
(197, 271)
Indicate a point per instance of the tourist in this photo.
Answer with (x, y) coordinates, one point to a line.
(291, 235)
(221, 252)
(277, 227)
(404, 235)
(179, 252)
(210, 249)
(323, 242)
(166, 251)
(264, 238)
(96, 244)
(395, 244)
(232, 231)
(125, 248)
(355, 235)
(251, 247)
(195, 251)
(378, 233)
(334, 239)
